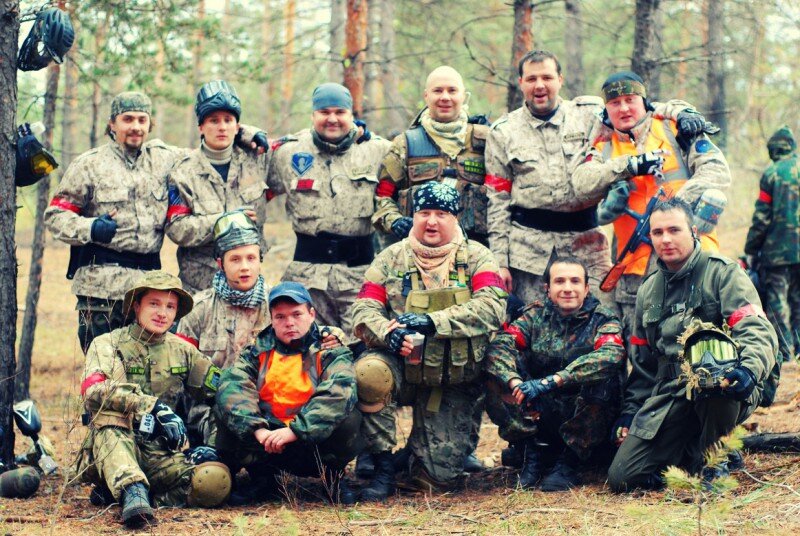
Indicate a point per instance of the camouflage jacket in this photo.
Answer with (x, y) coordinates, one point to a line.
(775, 231)
(399, 175)
(198, 196)
(105, 179)
(127, 370)
(710, 287)
(221, 330)
(582, 348)
(333, 399)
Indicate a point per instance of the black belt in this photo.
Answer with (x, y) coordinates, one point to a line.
(550, 220)
(92, 254)
(327, 248)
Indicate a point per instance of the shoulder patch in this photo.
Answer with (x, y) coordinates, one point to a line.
(704, 146)
(588, 100)
(302, 162)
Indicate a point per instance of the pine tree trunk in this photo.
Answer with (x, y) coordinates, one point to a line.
(9, 39)
(336, 39)
(192, 136)
(521, 42)
(716, 111)
(356, 44)
(371, 67)
(287, 82)
(97, 96)
(267, 42)
(574, 76)
(396, 116)
(69, 108)
(645, 42)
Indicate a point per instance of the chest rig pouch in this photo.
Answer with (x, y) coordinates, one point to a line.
(444, 361)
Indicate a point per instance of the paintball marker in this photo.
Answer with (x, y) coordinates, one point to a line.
(29, 423)
(639, 237)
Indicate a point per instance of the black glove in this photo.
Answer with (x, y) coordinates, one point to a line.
(421, 323)
(615, 202)
(533, 389)
(260, 139)
(103, 229)
(624, 421)
(366, 135)
(691, 123)
(742, 384)
(395, 338)
(169, 425)
(201, 454)
(645, 164)
(402, 226)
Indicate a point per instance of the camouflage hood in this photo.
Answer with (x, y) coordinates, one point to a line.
(781, 143)
(159, 280)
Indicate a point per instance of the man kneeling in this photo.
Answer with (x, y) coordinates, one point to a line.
(287, 404)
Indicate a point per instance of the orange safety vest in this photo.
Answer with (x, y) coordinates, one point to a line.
(676, 173)
(284, 384)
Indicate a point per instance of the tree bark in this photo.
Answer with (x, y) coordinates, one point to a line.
(9, 39)
(575, 77)
(355, 44)
(69, 106)
(521, 42)
(336, 39)
(772, 443)
(287, 82)
(644, 61)
(716, 111)
(192, 138)
(22, 390)
(396, 115)
(97, 96)
(371, 66)
(267, 42)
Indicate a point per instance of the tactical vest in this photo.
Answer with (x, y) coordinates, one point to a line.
(445, 361)
(284, 395)
(426, 162)
(676, 173)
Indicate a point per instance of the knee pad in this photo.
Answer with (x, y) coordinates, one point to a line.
(211, 485)
(374, 383)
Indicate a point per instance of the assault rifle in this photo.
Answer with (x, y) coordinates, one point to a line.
(639, 237)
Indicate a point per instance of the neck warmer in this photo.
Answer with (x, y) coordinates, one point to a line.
(223, 156)
(436, 263)
(339, 147)
(450, 137)
(250, 299)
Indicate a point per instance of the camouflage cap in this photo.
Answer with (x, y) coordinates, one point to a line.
(781, 143)
(623, 83)
(232, 230)
(159, 280)
(130, 101)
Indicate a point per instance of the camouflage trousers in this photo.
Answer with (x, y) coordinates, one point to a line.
(441, 438)
(97, 316)
(782, 289)
(118, 458)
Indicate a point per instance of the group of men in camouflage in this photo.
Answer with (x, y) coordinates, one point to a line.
(305, 376)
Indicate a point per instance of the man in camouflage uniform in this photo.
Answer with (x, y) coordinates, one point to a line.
(635, 152)
(133, 380)
(534, 212)
(217, 177)
(438, 284)
(289, 405)
(441, 145)
(774, 238)
(662, 424)
(329, 179)
(571, 351)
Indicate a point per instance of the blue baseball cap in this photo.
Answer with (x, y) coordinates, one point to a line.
(331, 95)
(291, 290)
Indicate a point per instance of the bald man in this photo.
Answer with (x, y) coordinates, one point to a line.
(443, 144)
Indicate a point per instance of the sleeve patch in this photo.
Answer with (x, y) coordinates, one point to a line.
(704, 146)
(519, 338)
(498, 184)
(487, 279)
(177, 206)
(373, 291)
(63, 204)
(92, 379)
(190, 340)
(212, 378)
(386, 188)
(638, 341)
(764, 197)
(608, 338)
(751, 309)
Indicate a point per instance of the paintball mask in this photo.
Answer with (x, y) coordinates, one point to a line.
(33, 160)
(50, 38)
(708, 354)
(217, 95)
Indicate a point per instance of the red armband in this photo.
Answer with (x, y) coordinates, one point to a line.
(373, 291)
(92, 379)
(498, 184)
(519, 338)
(588, 158)
(750, 309)
(764, 197)
(63, 204)
(487, 279)
(386, 188)
(607, 338)
(177, 210)
(638, 341)
(269, 195)
(193, 342)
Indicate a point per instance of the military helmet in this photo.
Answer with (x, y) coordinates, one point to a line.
(232, 230)
(159, 280)
(708, 353)
(374, 383)
(215, 96)
(52, 30)
(210, 486)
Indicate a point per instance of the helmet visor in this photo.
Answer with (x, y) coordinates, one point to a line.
(232, 220)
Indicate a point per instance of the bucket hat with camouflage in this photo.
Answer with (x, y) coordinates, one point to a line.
(159, 280)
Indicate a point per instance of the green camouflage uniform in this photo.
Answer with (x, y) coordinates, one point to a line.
(775, 236)
(586, 350)
(139, 368)
(667, 428)
(399, 175)
(327, 195)
(97, 182)
(198, 196)
(440, 437)
(326, 426)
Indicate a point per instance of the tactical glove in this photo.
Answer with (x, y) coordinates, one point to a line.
(646, 164)
(624, 421)
(402, 226)
(169, 426)
(691, 123)
(366, 135)
(613, 206)
(742, 383)
(260, 139)
(103, 229)
(417, 322)
(201, 454)
(533, 389)
(395, 338)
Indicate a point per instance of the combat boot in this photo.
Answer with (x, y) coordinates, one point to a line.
(263, 486)
(710, 474)
(511, 456)
(401, 459)
(339, 488)
(564, 475)
(101, 496)
(531, 470)
(365, 466)
(383, 483)
(136, 510)
(472, 464)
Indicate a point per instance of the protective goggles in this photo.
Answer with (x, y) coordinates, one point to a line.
(236, 219)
